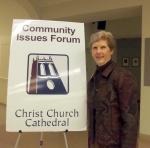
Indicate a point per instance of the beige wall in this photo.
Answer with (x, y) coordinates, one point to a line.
(88, 9)
(145, 90)
(10, 9)
(126, 27)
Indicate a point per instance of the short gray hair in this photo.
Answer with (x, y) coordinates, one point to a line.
(104, 35)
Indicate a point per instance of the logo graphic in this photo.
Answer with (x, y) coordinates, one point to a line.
(47, 74)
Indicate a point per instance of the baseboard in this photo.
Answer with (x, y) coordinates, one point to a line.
(144, 137)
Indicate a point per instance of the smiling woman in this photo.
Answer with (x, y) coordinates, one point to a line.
(102, 46)
(113, 98)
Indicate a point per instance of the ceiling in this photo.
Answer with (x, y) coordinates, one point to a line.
(46, 3)
(45, 8)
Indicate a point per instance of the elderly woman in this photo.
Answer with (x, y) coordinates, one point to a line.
(113, 99)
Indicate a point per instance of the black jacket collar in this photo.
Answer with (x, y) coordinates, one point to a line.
(105, 70)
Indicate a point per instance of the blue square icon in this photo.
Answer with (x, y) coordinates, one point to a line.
(47, 74)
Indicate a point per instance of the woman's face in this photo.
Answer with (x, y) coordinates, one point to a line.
(101, 52)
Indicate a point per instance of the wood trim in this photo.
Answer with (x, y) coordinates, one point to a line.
(144, 137)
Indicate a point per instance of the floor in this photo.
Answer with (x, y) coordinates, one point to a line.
(144, 141)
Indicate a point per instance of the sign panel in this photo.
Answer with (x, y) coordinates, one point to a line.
(47, 77)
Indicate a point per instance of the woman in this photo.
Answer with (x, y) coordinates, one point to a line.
(113, 99)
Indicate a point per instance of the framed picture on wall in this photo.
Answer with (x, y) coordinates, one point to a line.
(125, 61)
(135, 61)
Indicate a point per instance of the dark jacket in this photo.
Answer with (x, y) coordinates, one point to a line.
(113, 107)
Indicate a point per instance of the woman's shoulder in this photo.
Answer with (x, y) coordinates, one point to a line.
(121, 74)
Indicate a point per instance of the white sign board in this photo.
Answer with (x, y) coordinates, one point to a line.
(47, 77)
